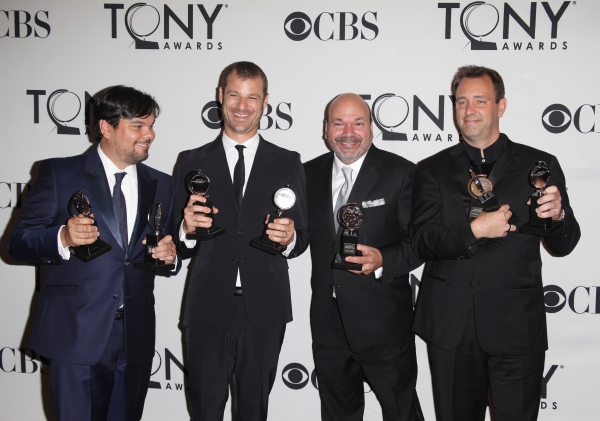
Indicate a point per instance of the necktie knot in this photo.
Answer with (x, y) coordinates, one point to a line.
(347, 174)
(119, 177)
(240, 149)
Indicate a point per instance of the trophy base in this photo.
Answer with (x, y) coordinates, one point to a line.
(339, 263)
(153, 267)
(206, 234)
(90, 252)
(274, 248)
(542, 231)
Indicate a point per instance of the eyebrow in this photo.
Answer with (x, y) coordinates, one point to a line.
(475, 96)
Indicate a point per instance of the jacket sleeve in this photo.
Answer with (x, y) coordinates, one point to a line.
(398, 256)
(299, 213)
(431, 238)
(34, 239)
(169, 228)
(562, 242)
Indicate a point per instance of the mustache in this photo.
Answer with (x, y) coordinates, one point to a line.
(348, 139)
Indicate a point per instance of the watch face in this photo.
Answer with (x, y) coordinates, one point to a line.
(197, 183)
(350, 216)
(284, 198)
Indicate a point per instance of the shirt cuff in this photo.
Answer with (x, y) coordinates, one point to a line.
(64, 252)
(290, 246)
(188, 243)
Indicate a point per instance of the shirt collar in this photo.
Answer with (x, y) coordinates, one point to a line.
(356, 165)
(110, 168)
(252, 143)
(490, 153)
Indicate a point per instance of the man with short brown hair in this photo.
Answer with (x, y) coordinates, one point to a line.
(481, 302)
(238, 298)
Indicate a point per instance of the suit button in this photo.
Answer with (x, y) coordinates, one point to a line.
(240, 232)
(472, 283)
(234, 261)
(126, 263)
(115, 296)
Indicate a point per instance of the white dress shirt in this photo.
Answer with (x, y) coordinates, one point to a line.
(232, 155)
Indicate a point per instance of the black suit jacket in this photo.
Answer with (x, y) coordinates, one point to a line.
(264, 277)
(78, 300)
(502, 276)
(377, 313)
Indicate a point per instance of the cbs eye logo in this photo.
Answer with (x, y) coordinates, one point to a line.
(295, 376)
(554, 298)
(557, 118)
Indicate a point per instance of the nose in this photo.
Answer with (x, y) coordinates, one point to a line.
(148, 133)
(469, 109)
(348, 130)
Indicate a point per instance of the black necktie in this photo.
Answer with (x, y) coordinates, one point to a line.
(120, 207)
(239, 174)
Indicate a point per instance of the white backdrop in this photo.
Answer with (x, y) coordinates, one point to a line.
(54, 55)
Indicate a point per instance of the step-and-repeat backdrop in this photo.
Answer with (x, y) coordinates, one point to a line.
(399, 55)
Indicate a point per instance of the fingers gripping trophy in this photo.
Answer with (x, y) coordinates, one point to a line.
(350, 217)
(538, 178)
(284, 199)
(150, 263)
(198, 183)
(80, 204)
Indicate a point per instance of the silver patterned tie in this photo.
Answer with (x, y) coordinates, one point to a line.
(344, 194)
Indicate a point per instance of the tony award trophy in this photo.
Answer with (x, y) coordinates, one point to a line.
(284, 199)
(480, 188)
(150, 263)
(81, 204)
(538, 178)
(350, 217)
(198, 183)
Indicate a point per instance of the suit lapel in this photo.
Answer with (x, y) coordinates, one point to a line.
(459, 167)
(146, 195)
(217, 170)
(324, 194)
(367, 177)
(503, 163)
(260, 169)
(98, 190)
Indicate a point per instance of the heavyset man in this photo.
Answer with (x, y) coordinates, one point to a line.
(95, 320)
(481, 303)
(361, 320)
(238, 299)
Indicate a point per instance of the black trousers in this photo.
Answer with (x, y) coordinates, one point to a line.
(236, 352)
(113, 389)
(392, 374)
(466, 380)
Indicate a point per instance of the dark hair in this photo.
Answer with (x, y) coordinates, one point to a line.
(118, 102)
(472, 72)
(244, 70)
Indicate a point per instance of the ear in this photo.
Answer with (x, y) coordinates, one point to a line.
(105, 128)
(325, 130)
(502, 104)
(266, 101)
